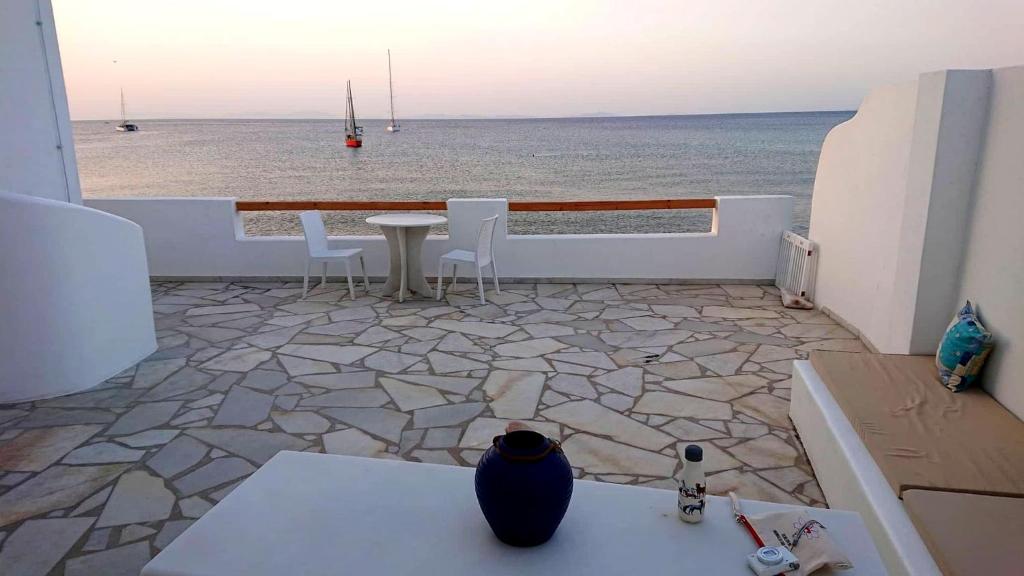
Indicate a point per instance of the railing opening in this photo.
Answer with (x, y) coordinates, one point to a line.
(526, 217)
(341, 218)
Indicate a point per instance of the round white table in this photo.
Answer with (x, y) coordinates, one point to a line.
(405, 234)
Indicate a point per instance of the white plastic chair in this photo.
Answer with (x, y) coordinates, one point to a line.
(483, 256)
(316, 245)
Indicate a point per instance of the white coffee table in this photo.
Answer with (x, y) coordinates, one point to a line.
(326, 515)
(405, 234)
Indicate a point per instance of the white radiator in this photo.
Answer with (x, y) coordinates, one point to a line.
(797, 266)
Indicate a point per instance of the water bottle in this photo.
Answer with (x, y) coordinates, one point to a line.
(692, 486)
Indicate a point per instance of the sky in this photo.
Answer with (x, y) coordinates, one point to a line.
(290, 59)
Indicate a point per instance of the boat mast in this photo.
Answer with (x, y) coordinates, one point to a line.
(353, 133)
(124, 116)
(391, 89)
(350, 112)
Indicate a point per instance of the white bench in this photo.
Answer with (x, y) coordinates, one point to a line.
(849, 476)
(319, 514)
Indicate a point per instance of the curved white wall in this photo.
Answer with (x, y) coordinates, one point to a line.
(75, 306)
(917, 207)
(890, 208)
(857, 214)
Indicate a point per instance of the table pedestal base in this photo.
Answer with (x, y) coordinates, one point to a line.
(405, 247)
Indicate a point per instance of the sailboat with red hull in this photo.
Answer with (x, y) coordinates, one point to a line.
(353, 133)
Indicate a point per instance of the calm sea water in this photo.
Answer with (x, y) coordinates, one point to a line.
(543, 159)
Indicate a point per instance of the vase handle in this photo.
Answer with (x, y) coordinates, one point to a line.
(553, 446)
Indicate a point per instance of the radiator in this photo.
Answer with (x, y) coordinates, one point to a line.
(798, 262)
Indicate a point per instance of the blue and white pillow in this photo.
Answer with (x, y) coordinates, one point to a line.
(963, 350)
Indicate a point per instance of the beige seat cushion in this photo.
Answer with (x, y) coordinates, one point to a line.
(969, 534)
(919, 433)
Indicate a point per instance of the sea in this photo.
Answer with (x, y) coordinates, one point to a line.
(606, 158)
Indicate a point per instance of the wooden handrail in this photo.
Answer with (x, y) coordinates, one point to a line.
(513, 205)
(601, 205)
(337, 205)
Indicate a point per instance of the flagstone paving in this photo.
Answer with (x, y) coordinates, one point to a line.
(624, 375)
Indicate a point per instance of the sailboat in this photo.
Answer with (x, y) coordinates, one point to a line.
(353, 133)
(125, 125)
(392, 126)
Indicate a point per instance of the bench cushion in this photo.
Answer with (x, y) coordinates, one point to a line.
(920, 434)
(969, 533)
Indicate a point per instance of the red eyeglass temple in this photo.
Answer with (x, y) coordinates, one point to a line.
(746, 523)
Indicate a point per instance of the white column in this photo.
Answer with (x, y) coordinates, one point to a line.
(943, 165)
(37, 155)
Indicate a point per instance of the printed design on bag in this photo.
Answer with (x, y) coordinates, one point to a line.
(811, 530)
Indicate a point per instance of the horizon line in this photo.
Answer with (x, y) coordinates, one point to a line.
(434, 117)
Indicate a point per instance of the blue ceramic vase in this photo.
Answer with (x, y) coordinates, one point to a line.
(524, 484)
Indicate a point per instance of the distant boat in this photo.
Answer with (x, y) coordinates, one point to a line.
(125, 125)
(392, 126)
(353, 133)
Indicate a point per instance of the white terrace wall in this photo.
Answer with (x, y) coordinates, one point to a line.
(203, 237)
(917, 206)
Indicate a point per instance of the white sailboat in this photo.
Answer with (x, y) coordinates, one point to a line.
(392, 125)
(125, 125)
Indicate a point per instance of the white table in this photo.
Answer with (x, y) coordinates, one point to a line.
(320, 514)
(405, 234)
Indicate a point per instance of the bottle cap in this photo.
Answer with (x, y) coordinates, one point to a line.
(694, 453)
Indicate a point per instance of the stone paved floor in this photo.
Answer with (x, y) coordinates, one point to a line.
(625, 375)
